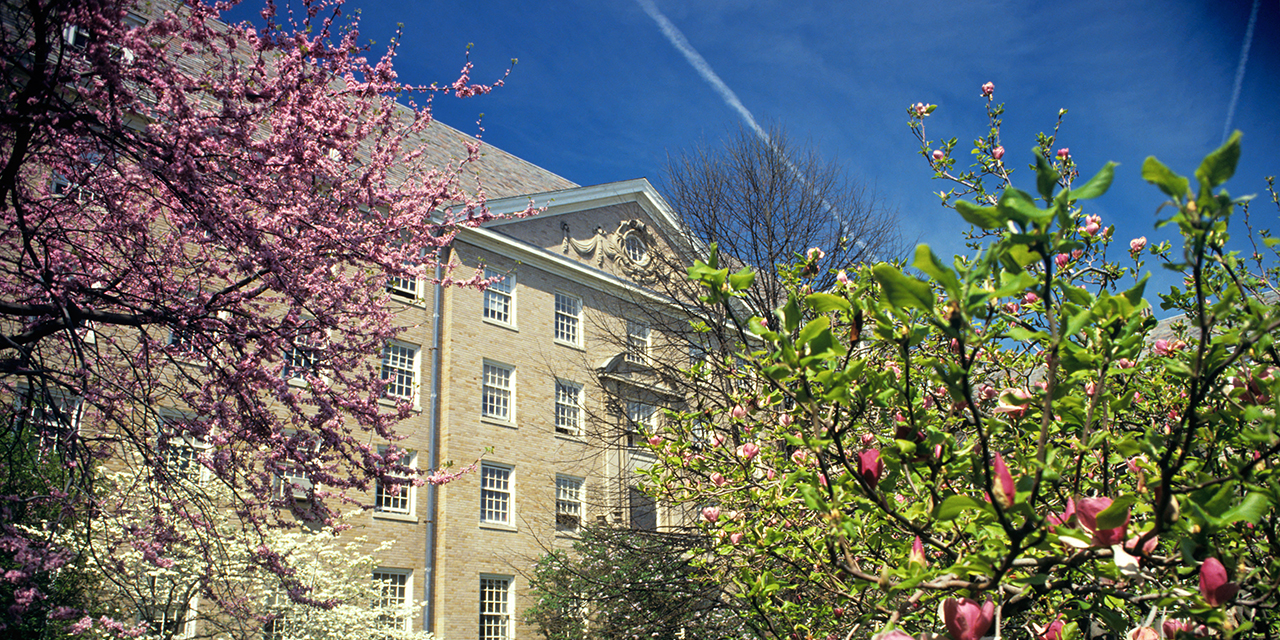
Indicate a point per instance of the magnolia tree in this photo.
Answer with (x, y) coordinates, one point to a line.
(1008, 443)
(192, 215)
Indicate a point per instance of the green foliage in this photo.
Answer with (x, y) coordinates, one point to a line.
(1019, 413)
(621, 584)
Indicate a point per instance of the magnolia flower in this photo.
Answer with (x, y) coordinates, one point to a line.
(718, 479)
(1064, 518)
(711, 514)
(1053, 631)
(655, 441)
(1063, 153)
(815, 254)
(735, 537)
(748, 450)
(987, 392)
(867, 439)
(1148, 546)
(870, 466)
(1087, 514)
(966, 619)
(1125, 363)
(1013, 402)
(938, 155)
(1144, 633)
(1166, 348)
(921, 109)
(842, 278)
(1215, 588)
(1137, 244)
(785, 420)
(738, 412)
(917, 553)
(1092, 225)
(1061, 260)
(997, 153)
(1172, 628)
(988, 89)
(1002, 487)
(1030, 298)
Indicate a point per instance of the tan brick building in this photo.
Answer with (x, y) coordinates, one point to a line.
(544, 375)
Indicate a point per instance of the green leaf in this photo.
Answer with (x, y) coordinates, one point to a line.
(1114, 515)
(953, 506)
(1097, 185)
(981, 217)
(902, 290)
(1046, 175)
(1017, 205)
(1220, 165)
(1172, 184)
(741, 280)
(826, 302)
(1254, 506)
(927, 262)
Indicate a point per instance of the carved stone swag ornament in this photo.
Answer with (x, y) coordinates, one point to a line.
(629, 248)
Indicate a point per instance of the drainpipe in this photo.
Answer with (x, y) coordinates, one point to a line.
(433, 456)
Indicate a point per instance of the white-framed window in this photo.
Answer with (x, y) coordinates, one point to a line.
(495, 607)
(634, 245)
(642, 421)
(637, 342)
(76, 37)
(499, 297)
(404, 286)
(304, 352)
(181, 449)
(568, 319)
(496, 391)
(396, 498)
(295, 479)
(568, 503)
(568, 408)
(392, 599)
(495, 493)
(400, 370)
(168, 606)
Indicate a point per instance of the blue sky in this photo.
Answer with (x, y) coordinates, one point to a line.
(600, 94)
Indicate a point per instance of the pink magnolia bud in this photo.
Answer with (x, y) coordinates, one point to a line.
(988, 89)
(1124, 363)
(748, 451)
(987, 392)
(842, 278)
(738, 411)
(771, 474)
(1061, 260)
(1215, 588)
(1172, 628)
(1087, 514)
(938, 155)
(997, 153)
(1030, 298)
(1148, 546)
(966, 619)
(1092, 225)
(1077, 254)
(1137, 244)
(1053, 631)
(785, 420)
(655, 441)
(1144, 633)
(711, 514)
(1002, 486)
(1063, 153)
(1091, 388)
(1166, 348)
(800, 457)
(921, 109)
(1013, 402)
(870, 466)
(815, 253)
(917, 553)
(1062, 519)
(717, 440)
(718, 479)
(735, 537)
(867, 439)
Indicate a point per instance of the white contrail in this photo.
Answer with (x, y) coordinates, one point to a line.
(1244, 57)
(699, 64)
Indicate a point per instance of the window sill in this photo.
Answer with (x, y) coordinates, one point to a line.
(390, 515)
(498, 422)
(569, 535)
(570, 437)
(393, 402)
(498, 526)
(505, 325)
(570, 345)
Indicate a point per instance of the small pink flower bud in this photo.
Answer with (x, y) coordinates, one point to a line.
(870, 466)
(987, 392)
(842, 278)
(748, 451)
(938, 155)
(1053, 631)
(1087, 514)
(785, 420)
(1172, 628)
(1077, 254)
(1124, 363)
(997, 153)
(1144, 633)
(1063, 153)
(1215, 588)
(1061, 260)
(1002, 484)
(867, 439)
(738, 412)
(988, 89)
(921, 109)
(917, 553)
(655, 441)
(735, 537)
(771, 474)
(1030, 298)
(718, 479)
(711, 514)
(815, 253)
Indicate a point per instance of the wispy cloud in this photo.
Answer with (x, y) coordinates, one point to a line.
(1244, 58)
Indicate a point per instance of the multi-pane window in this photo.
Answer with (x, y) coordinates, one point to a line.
(568, 503)
(181, 450)
(498, 301)
(400, 370)
(396, 498)
(495, 608)
(568, 408)
(495, 392)
(406, 286)
(295, 479)
(568, 319)
(495, 493)
(637, 342)
(635, 248)
(392, 586)
(301, 356)
(641, 421)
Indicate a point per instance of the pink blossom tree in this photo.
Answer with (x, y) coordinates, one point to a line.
(194, 213)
